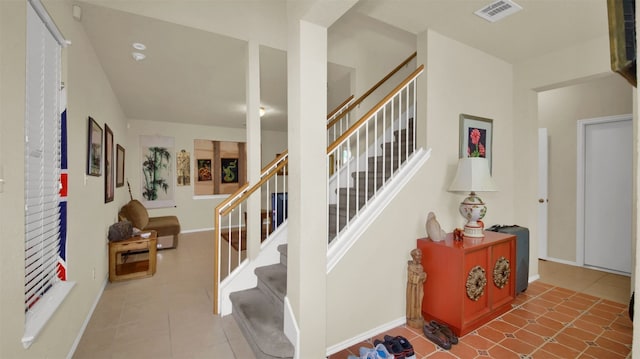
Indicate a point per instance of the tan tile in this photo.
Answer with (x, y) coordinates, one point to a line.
(599, 352)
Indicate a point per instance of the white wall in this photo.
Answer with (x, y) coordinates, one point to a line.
(373, 48)
(561, 68)
(558, 111)
(457, 77)
(89, 94)
(193, 213)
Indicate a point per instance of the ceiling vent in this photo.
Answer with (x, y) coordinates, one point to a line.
(498, 10)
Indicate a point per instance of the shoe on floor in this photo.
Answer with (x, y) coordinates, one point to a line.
(436, 336)
(393, 347)
(446, 330)
(403, 343)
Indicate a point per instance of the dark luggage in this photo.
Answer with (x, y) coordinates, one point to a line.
(522, 253)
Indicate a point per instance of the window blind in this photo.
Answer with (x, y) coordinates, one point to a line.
(42, 160)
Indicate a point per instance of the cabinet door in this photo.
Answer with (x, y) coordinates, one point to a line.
(475, 265)
(502, 272)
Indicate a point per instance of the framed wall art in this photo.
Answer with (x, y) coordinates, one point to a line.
(94, 149)
(119, 166)
(108, 164)
(157, 165)
(476, 137)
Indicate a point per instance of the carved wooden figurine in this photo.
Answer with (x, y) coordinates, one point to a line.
(415, 290)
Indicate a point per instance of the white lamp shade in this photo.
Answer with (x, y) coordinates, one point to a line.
(473, 175)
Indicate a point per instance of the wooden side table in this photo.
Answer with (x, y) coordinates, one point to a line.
(124, 258)
(469, 282)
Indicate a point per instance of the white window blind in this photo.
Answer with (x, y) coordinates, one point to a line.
(43, 290)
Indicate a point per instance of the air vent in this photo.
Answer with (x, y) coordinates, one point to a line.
(498, 10)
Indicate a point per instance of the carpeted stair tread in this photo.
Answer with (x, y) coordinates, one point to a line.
(262, 324)
(274, 279)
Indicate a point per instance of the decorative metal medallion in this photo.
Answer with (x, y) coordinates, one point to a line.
(501, 272)
(476, 282)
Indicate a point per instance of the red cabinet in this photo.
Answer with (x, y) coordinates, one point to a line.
(469, 282)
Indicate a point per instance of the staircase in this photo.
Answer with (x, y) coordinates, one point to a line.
(259, 311)
(367, 183)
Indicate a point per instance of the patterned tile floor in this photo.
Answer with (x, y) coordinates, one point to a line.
(546, 322)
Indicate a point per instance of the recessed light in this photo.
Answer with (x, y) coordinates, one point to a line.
(139, 46)
(138, 56)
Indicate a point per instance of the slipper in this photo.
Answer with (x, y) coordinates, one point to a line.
(407, 348)
(446, 330)
(437, 336)
(392, 347)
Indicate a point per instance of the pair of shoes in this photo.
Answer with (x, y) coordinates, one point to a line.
(446, 330)
(378, 352)
(392, 347)
(403, 343)
(437, 336)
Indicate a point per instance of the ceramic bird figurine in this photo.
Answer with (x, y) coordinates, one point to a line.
(434, 231)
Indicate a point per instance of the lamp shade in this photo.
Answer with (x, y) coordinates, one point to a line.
(473, 175)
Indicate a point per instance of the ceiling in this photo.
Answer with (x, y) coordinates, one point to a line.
(191, 75)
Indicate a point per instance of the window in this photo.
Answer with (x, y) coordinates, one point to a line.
(44, 290)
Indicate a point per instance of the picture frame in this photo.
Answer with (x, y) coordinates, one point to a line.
(476, 137)
(622, 38)
(108, 164)
(94, 148)
(119, 166)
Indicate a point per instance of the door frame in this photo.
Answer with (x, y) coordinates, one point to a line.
(543, 193)
(580, 169)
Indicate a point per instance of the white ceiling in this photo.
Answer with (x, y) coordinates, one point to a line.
(192, 75)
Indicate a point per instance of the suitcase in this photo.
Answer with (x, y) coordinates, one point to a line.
(522, 253)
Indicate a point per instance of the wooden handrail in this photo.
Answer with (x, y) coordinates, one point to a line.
(375, 109)
(340, 106)
(255, 187)
(375, 87)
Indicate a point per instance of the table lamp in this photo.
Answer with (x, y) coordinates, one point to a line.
(473, 176)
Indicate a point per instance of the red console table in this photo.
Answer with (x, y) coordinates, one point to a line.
(469, 282)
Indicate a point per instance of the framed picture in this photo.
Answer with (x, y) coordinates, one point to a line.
(476, 137)
(204, 170)
(94, 150)
(119, 166)
(622, 38)
(229, 170)
(108, 164)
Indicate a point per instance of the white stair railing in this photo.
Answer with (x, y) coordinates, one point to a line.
(231, 232)
(369, 153)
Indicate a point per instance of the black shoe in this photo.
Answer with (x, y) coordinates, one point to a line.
(437, 336)
(446, 330)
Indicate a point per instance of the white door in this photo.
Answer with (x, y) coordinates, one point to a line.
(608, 186)
(543, 200)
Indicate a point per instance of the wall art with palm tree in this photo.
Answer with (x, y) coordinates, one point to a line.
(157, 185)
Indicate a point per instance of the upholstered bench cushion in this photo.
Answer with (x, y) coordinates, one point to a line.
(137, 214)
(165, 225)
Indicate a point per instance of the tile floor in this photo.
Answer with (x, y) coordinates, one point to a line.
(167, 316)
(548, 321)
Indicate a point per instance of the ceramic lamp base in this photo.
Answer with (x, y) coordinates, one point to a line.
(473, 210)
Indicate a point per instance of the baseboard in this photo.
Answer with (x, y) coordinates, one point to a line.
(291, 329)
(197, 230)
(533, 278)
(74, 346)
(366, 335)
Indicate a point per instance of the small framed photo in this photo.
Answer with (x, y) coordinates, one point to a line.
(119, 166)
(94, 150)
(108, 164)
(476, 137)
